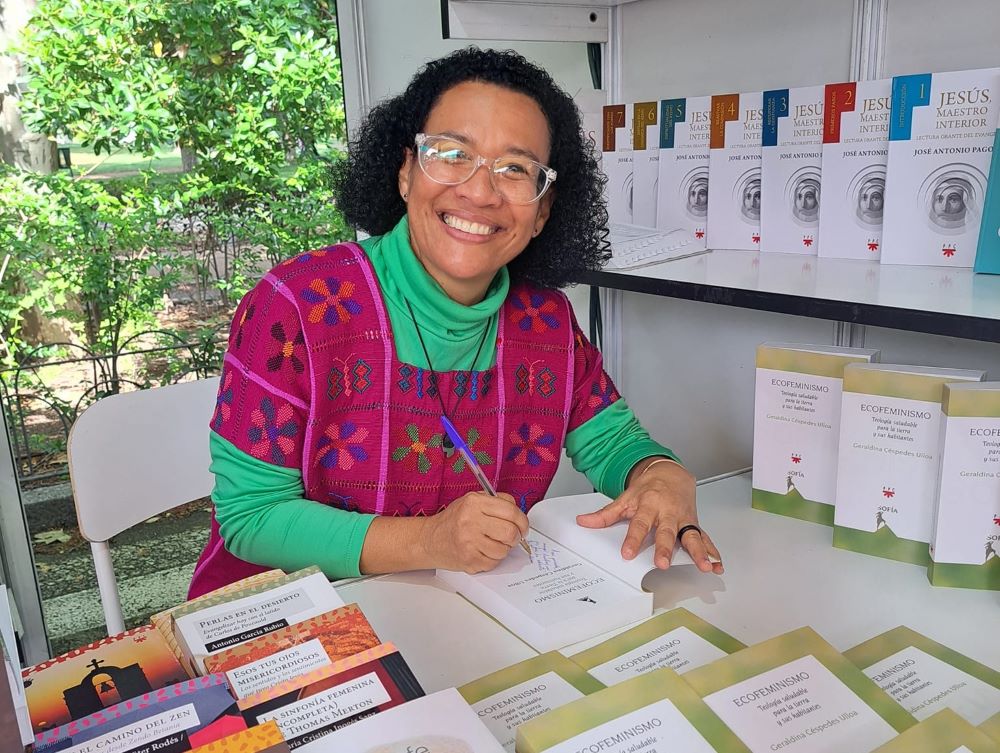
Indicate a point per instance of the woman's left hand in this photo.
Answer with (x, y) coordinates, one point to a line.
(661, 499)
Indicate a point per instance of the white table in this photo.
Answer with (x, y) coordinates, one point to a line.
(781, 574)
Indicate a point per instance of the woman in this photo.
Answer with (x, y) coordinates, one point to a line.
(482, 199)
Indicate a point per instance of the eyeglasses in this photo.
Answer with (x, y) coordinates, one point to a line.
(450, 161)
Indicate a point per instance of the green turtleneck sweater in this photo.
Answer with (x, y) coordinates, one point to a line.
(262, 514)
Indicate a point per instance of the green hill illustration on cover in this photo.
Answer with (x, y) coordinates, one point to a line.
(796, 424)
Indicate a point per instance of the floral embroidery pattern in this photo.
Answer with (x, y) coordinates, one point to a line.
(482, 457)
(223, 401)
(534, 313)
(248, 313)
(331, 301)
(413, 450)
(307, 256)
(272, 431)
(341, 446)
(531, 445)
(289, 350)
(602, 394)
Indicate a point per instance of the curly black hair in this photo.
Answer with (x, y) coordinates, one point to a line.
(574, 237)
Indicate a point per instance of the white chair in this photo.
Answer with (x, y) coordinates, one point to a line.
(133, 456)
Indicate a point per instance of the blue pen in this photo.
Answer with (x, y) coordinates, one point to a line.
(470, 461)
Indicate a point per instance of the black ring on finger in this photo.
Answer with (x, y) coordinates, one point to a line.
(685, 529)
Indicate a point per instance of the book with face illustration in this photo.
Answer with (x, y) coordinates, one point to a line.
(855, 152)
(942, 732)
(654, 713)
(645, 163)
(791, 167)
(797, 692)
(924, 676)
(941, 132)
(682, 188)
(734, 174)
(438, 723)
(676, 639)
(573, 586)
(506, 699)
(616, 161)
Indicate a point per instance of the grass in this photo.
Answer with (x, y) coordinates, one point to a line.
(84, 161)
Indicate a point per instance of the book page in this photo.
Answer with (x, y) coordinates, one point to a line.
(556, 518)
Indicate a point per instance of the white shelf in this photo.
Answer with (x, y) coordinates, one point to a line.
(937, 300)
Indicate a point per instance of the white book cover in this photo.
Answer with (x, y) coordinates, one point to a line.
(796, 428)
(791, 164)
(214, 628)
(574, 584)
(617, 162)
(888, 460)
(734, 171)
(855, 153)
(940, 145)
(438, 723)
(645, 163)
(965, 548)
(682, 196)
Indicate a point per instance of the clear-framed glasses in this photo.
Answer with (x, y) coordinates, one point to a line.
(450, 161)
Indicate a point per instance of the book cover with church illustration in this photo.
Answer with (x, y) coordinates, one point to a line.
(101, 674)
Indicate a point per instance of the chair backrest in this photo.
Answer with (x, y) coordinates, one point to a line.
(138, 454)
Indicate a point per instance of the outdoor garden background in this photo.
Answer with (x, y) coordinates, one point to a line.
(157, 157)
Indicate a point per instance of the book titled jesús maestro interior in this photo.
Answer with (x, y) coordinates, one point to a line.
(734, 185)
(682, 188)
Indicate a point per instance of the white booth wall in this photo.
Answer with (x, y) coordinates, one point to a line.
(687, 367)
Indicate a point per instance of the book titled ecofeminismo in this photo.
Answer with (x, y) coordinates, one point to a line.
(965, 547)
(855, 153)
(924, 676)
(616, 161)
(941, 135)
(573, 586)
(676, 639)
(654, 713)
(796, 692)
(682, 188)
(506, 699)
(888, 461)
(796, 427)
(645, 163)
(215, 625)
(791, 167)
(734, 190)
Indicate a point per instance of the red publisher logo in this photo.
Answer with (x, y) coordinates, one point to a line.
(888, 492)
(699, 233)
(807, 240)
(873, 245)
(948, 251)
(755, 237)
(996, 519)
(796, 458)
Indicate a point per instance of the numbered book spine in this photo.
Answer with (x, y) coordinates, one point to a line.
(734, 171)
(791, 170)
(855, 153)
(682, 193)
(941, 135)
(965, 551)
(645, 163)
(797, 402)
(616, 160)
(889, 458)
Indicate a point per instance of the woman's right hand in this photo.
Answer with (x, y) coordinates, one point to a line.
(475, 532)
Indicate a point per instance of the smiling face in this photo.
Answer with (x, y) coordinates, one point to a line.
(464, 234)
